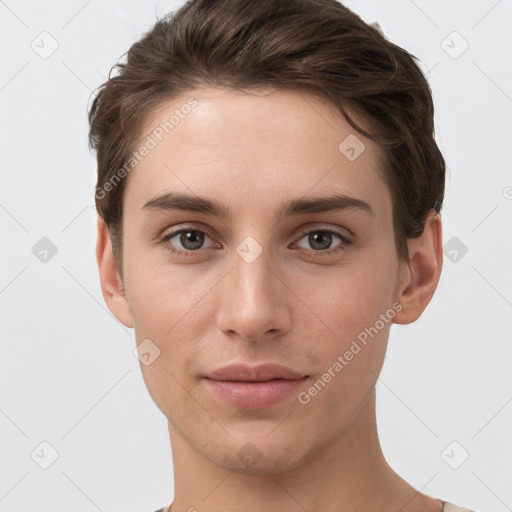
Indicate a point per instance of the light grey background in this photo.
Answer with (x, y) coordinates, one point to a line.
(68, 376)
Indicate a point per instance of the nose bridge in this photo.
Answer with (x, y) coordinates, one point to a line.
(251, 303)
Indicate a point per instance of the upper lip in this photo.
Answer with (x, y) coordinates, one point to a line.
(259, 373)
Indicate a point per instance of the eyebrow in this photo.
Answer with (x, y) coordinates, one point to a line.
(185, 202)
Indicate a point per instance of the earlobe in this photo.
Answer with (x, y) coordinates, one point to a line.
(419, 280)
(111, 284)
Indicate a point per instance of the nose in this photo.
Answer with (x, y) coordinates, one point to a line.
(254, 302)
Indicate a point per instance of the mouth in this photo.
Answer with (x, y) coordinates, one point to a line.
(254, 387)
(261, 373)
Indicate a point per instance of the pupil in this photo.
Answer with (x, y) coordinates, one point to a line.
(319, 237)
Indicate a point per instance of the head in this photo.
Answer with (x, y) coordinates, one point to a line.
(261, 113)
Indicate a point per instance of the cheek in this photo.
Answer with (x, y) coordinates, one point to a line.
(167, 309)
(350, 343)
(161, 297)
(355, 306)
(350, 299)
(175, 310)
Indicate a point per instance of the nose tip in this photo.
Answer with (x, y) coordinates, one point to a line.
(253, 304)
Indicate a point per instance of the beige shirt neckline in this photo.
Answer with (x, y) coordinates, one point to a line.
(450, 507)
(447, 507)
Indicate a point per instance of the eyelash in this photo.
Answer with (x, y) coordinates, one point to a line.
(346, 242)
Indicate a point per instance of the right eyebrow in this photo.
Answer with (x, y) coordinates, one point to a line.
(190, 203)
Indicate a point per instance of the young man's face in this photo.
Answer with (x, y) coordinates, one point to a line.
(252, 286)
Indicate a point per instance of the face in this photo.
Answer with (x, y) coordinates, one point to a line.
(283, 252)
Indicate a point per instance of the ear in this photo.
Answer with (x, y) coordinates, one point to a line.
(420, 274)
(111, 284)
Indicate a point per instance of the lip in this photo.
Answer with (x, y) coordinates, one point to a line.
(259, 373)
(254, 387)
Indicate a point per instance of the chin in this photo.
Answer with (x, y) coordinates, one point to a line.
(261, 456)
(267, 464)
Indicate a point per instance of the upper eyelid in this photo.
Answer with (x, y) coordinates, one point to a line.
(338, 231)
(196, 226)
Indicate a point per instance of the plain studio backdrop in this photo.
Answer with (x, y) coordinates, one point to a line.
(70, 385)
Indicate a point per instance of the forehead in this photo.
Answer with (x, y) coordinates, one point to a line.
(255, 145)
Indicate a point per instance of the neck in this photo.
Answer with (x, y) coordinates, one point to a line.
(352, 471)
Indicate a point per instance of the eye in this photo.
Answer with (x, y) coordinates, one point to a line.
(188, 240)
(321, 241)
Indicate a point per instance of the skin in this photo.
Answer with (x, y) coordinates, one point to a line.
(291, 305)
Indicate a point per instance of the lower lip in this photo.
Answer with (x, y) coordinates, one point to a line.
(254, 395)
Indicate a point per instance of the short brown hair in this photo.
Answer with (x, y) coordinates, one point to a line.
(312, 45)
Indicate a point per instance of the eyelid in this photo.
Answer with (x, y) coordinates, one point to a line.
(174, 230)
(342, 231)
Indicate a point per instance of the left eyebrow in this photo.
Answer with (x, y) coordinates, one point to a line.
(185, 202)
(335, 202)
